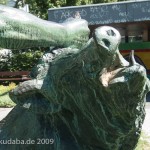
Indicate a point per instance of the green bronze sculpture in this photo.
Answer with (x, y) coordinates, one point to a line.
(23, 30)
(83, 94)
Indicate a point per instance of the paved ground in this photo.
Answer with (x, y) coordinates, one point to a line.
(4, 112)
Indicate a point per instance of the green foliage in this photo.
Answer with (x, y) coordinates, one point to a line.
(3, 1)
(22, 60)
(39, 8)
(5, 100)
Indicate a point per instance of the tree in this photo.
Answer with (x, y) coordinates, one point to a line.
(39, 8)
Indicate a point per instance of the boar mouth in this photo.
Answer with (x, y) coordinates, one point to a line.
(110, 75)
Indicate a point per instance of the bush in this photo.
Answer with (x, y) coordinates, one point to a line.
(22, 60)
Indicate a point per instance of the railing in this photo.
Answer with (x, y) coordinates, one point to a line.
(14, 76)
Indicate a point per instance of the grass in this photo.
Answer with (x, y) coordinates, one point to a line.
(144, 142)
(5, 100)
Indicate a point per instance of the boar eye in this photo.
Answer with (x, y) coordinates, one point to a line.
(111, 33)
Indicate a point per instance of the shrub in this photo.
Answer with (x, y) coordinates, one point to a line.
(22, 60)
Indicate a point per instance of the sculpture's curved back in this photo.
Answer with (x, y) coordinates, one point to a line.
(19, 29)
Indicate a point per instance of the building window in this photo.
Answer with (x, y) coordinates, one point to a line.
(137, 38)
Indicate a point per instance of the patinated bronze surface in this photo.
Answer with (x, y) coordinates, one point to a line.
(83, 93)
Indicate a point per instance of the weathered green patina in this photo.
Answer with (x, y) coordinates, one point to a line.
(85, 97)
(23, 30)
